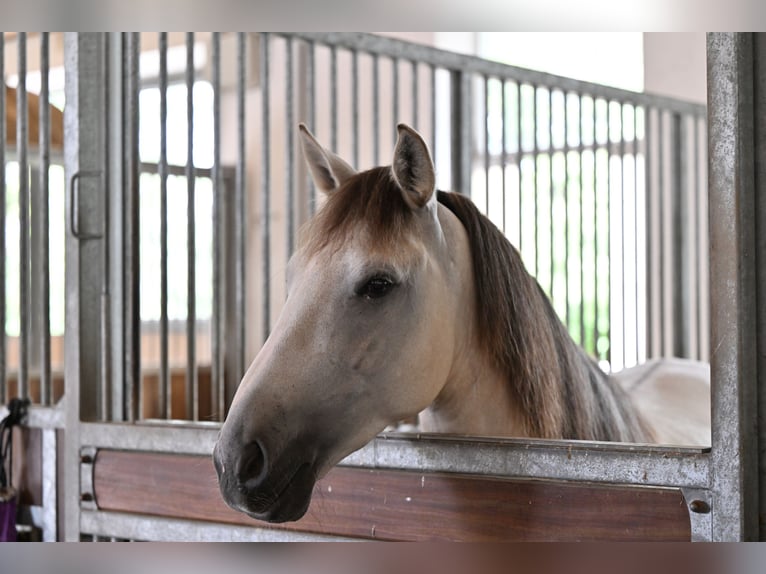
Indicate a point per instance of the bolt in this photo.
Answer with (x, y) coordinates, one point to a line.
(86, 497)
(699, 506)
(86, 459)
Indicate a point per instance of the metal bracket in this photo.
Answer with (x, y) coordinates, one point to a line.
(87, 492)
(74, 212)
(700, 504)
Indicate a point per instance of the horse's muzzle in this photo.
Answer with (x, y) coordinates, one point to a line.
(248, 485)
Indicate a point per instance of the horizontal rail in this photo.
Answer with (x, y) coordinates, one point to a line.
(615, 463)
(137, 527)
(382, 46)
(41, 417)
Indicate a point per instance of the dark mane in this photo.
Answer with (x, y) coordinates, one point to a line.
(562, 390)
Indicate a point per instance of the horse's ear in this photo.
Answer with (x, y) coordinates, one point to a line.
(327, 169)
(412, 167)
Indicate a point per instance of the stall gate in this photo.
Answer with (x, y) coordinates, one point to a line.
(184, 196)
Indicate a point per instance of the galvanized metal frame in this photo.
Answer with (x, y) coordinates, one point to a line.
(725, 480)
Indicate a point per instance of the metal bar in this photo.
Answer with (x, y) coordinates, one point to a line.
(519, 158)
(49, 486)
(609, 228)
(504, 151)
(595, 228)
(682, 250)
(635, 224)
(333, 98)
(648, 222)
(106, 335)
(22, 142)
(4, 391)
(433, 112)
(622, 232)
(700, 253)
(166, 398)
(602, 462)
(395, 94)
(241, 211)
(582, 219)
(290, 147)
(312, 96)
(566, 212)
(192, 382)
(375, 110)
(44, 272)
(736, 73)
(152, 528)
(663, 231)
(415, 98)
(132, 238)
(355, 107)
(550, 189)
(266, 174)
(486, 144)
(535, 157)
(461, 141)
(219, 256)
(397, 49)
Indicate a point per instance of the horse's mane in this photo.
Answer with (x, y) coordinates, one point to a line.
(561, 389)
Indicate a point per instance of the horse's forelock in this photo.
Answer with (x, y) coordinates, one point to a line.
(369, 201)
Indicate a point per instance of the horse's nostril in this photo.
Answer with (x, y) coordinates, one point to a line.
(252, 464)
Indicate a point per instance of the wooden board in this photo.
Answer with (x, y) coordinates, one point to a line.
(402, 505)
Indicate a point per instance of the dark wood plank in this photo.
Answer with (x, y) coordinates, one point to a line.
(401, 505)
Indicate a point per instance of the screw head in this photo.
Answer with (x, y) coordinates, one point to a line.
(699, 506)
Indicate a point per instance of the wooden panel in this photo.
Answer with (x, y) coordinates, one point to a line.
(399, 505)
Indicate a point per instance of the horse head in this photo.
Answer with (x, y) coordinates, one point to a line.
(373, 303)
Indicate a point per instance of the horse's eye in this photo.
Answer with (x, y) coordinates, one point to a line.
(376, 287)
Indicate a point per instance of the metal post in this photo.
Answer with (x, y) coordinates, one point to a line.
(461, 136)
(266, 178)
(43, 273)
(3, 382)
(219, 255)
(736, 79)
(192, 382)
(22, 141)
(682, 249)
(241, 212)
(164, 378)
(84, 122)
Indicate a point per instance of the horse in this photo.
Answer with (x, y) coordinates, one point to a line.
(404, 300)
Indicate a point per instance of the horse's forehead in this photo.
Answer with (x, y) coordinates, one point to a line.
(360, 250)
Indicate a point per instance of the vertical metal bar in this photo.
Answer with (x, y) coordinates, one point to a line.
(166, 399)
(486, 144)
(682, 251)
(700, 253)
(44, 272)
(289, 151)
(503, 143)
(737, 143)
(433, 112)
(22, 140)
(395, 93)
(3, 382)
(355, 107)
(266, 174)
(635, 222)
(550, 186)
(622, 232)
(609, 228)
(106, 336)
(333, 98)
(132, 237)
(596, 306)
(566, 211)
(648, 224)
(311, 114)
(663, 231)
(415, 98)
(519, 157)
(240, 201)
(192, 382)
(461, 136)
(581, 149)
(219, 255)
(375, 110)
(536, 156)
